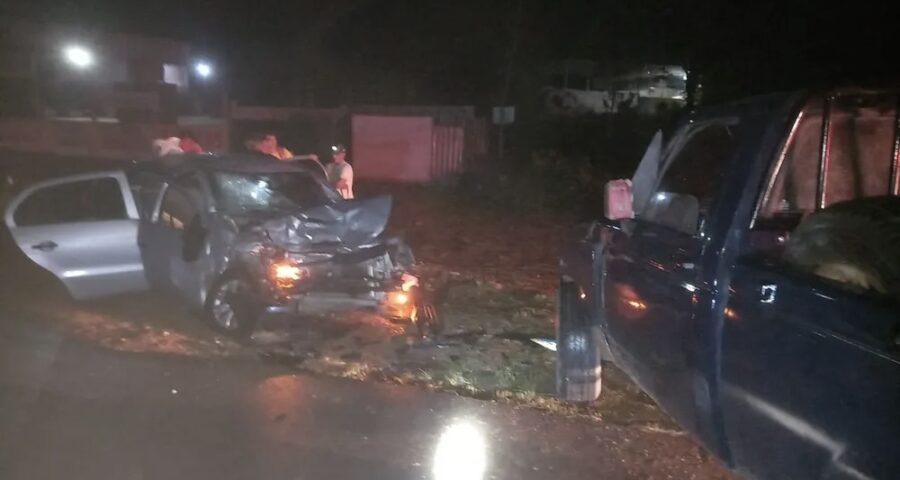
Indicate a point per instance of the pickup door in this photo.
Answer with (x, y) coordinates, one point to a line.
(654, 281)
(811, 368)
(82, 229)
(811, 377)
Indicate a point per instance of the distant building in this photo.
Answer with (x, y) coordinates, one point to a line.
(576, 87)
(53, 70)
(94, 92)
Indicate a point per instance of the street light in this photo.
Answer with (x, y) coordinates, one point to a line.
(203, 69)
(78, 56)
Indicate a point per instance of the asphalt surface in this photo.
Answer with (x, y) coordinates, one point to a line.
(73, 410)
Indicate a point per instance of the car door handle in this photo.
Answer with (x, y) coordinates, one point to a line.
(684, 266)
(45, 246)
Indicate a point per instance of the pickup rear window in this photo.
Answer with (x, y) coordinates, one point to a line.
(860, 146)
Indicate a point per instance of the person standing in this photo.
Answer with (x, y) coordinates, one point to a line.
(267, 143)
(276, 150)
(189, 143)
(340, 173)
(167, 146)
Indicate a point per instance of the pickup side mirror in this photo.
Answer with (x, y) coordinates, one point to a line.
(619, 200)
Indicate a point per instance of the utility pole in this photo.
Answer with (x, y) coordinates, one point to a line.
(516, 34)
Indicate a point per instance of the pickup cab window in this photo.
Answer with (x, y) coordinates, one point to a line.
(691, 178)
(858, 162)
(817, 192)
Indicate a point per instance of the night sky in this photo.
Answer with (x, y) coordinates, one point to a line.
(459, 51)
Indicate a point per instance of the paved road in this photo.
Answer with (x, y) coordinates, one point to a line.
(70, 409)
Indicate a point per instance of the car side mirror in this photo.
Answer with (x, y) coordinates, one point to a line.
(619, 200)
(193, 239)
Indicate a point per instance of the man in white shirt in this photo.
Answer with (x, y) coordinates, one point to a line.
(340, 173)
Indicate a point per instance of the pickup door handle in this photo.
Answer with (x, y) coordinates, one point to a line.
(768, 292)
(45, 246)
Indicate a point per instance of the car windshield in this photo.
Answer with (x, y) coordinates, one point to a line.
(239, 192)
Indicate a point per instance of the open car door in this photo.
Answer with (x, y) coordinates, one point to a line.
(82, 229)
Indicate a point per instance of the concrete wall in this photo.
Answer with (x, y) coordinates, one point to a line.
(111, 140)
(392, 148)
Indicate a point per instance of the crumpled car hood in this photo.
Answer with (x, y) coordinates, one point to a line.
(347, 224)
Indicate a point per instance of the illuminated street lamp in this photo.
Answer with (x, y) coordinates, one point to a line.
(78, 56)
(204, 70)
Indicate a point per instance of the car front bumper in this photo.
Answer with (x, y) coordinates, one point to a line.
(395, 300)
(372, 278)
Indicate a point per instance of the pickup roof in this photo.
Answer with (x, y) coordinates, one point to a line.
(780, 371)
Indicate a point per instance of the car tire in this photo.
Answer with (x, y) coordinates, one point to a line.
(855, 242)
(579, 359)
(230, 307)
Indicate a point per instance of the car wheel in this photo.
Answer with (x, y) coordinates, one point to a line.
(578, 352)
(229, 306)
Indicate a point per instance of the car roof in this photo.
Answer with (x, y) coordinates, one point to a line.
(776, 100)
(239, 163)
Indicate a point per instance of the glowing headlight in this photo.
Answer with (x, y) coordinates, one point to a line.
(398, 298)
(286, 274)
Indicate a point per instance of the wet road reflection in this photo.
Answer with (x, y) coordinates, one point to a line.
(75, 410)
(461, 452)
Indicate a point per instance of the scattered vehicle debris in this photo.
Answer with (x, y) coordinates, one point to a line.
(548, 343)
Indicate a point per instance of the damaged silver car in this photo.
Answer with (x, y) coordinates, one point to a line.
(236, 236)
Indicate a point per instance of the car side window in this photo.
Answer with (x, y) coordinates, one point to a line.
(177, 209)
(860, 144)
(860, 147)
(146, 188)
(831, 230)
(691, 178)
(793, 189)
(93, 200)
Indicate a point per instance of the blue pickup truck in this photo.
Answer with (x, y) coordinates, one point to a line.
(753, 292)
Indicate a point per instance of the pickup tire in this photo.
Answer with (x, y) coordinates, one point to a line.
(578, 365)
(230, 307)
(855, 242)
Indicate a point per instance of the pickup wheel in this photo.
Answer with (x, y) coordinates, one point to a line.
(578, 364)
(229, 306)
(855, 242)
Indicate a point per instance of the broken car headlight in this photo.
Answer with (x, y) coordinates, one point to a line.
(285, 273)
(398, 298)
